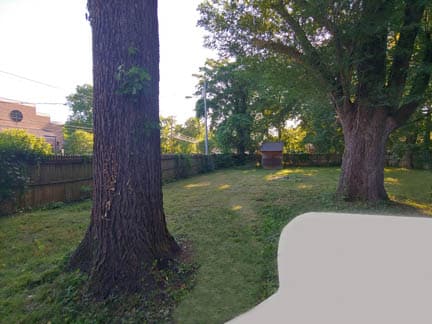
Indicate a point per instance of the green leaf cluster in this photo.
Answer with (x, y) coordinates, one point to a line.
(365, 55)
(81, 104)
(17, 149)
(131, 81)
(78, 142)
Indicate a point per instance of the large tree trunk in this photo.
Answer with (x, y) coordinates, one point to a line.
(127, 233)
(365, 133)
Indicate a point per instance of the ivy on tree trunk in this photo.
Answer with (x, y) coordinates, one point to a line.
(127, 235)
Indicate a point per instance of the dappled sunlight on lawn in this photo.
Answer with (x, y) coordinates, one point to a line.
(304, 186)
(396, 169)
(391, 180)
(422, 206)
(224, 187)
(249, 171)
(197, 185)
(279, 174)
(286, 172)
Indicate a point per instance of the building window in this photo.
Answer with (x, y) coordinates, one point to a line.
(16, 115)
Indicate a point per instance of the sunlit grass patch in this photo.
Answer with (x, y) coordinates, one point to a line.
(232, 220)
(424, 207)
(286, 173)
(197, 185)
(304, 186)
(391, 180)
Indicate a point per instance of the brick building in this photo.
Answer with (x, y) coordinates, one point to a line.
(17, 115)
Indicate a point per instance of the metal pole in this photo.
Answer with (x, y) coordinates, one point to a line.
(205, 116)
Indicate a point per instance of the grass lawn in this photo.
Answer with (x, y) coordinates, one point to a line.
(232, 220)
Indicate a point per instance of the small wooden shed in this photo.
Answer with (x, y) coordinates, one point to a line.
(271, 155)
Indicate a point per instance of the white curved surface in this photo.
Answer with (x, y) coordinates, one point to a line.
(351, 268)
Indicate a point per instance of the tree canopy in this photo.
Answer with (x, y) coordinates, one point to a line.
(81, 104)
(373, 58)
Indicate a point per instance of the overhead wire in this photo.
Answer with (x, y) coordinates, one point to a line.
(35, 103)
(31, 80)
(40, 103)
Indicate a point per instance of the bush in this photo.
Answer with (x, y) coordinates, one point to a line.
(20, 142)
(17, 149)
(207, 164)
(182, 166)
(228, 160)
(78, 142)
(223, 161)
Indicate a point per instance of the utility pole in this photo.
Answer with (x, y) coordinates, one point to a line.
(204, 96)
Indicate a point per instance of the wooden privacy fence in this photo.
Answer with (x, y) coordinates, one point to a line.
(312, 159)
(65, 179)
(305, 159)
(52, 180)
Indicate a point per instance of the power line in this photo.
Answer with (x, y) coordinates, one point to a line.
(78, 127)
(90, 129)
(31, 80)
(35, 103)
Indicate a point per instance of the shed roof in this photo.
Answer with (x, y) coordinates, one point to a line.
(272, 147)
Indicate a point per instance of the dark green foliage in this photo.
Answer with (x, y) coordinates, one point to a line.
(81, 104)
(319, 120)
(132, 81)
(78, 142)
(207, 164)
(182, 166)
(234, 133)
(411, 145)
(78, 137)
(17, 150)
(13, 177)
(222, 161)
(252, 97)
(372, 58)
(229, 97)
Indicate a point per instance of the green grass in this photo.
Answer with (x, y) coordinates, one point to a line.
(232, 220)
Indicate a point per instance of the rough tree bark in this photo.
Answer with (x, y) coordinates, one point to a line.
(128, 232)
(366, 131)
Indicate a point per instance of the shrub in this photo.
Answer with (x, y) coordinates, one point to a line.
(223, 161)
(228, 160)
(78, 142)
(23, 143)
(207, 164)
(17, 149)
(182, 166)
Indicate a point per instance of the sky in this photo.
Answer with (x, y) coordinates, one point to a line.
(49, 41)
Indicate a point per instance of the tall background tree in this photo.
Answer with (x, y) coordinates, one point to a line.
(229, 91)
(127, 235)
(372, 57)
(78, 129)
(254, 99)
(81, 104)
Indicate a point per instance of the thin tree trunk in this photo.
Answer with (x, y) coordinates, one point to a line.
(365, 133)
(128, 232)
(407, 160)
(427, 141)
